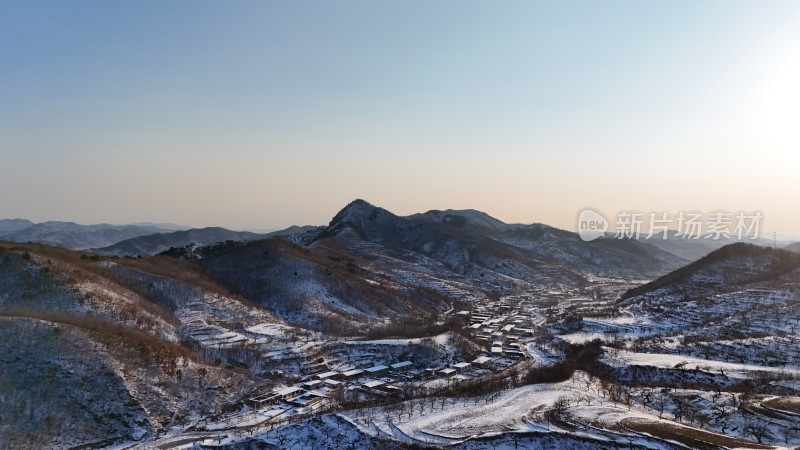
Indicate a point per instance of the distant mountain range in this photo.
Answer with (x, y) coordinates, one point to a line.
(147, 238)
(692, 249)
(72, 235)
(152, 244)
(369, 263)
(140, 239)
(11, 225)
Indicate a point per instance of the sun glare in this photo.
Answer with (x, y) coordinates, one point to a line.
(780, 110)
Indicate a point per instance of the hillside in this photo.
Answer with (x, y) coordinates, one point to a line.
(793, 247)
(316, 289)
(730, 267)
(737, 304)
(90, 355)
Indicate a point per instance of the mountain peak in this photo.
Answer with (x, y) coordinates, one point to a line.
(358, 215)
(358, 205)
(357, 211)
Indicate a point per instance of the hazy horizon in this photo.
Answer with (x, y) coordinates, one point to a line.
(783, 238)
(262, 115)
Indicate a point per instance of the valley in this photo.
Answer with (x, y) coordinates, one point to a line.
(447, 329)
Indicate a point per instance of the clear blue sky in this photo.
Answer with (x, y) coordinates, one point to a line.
(265, 114)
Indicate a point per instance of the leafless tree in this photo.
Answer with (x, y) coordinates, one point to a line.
(757, 431)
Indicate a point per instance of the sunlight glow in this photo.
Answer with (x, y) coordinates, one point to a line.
(780, 110)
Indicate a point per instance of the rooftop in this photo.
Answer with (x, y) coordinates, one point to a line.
(288, 390)
(401, 364)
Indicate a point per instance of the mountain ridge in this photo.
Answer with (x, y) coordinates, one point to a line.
(735, 264)
(77, 236)
(151, 244)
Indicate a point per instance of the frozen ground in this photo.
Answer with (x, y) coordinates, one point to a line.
(623, 357)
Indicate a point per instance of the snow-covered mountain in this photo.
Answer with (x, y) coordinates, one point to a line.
(469, 240)
(506, 335)
(734, 266)
(92, 352)
(370, 264)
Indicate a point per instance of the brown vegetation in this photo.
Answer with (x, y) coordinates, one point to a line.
(788, 404)
(112, 334)
(691, 437)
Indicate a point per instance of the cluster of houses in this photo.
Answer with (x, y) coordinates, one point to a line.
(448, 372)
(498, 324)
(321, 385)
(378, 379)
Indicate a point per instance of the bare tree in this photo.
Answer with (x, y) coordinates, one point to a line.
(757, 431)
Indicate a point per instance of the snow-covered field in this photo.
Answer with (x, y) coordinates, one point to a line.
(585, 336)
(458, 419)
(623, 357)
(514, 418)
(267, 329)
